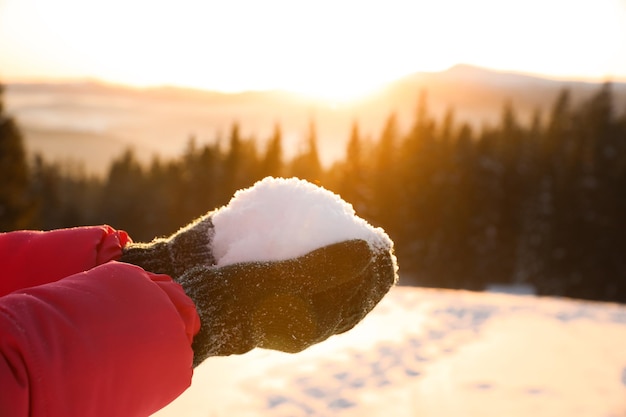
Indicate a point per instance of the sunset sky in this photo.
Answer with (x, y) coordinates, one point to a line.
(333, 48)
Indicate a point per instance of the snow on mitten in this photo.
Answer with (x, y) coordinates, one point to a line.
(189, 247)
(287, 305)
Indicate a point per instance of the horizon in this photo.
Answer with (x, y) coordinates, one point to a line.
(321, 49)
(113, 84)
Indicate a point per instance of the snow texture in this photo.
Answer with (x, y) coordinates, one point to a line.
(434, 353)
(278, 219)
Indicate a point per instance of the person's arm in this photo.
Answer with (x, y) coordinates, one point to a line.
(112, 341)
(31, 258)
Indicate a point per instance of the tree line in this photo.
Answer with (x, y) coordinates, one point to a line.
(541, 202)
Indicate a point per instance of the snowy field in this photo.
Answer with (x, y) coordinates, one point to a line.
(434, 353)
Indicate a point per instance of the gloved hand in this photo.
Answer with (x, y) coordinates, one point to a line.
(286, 305)
(282, 305)
(188, 247)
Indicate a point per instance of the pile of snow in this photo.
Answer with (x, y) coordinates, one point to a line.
(278, 219)
(434, 353)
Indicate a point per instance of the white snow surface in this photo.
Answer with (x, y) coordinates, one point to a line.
(434, 353)
(283, 218)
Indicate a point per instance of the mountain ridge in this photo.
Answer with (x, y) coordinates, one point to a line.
(461, 71)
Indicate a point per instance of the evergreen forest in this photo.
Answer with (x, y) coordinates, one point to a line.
(539, 202)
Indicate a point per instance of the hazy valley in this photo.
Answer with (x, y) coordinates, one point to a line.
(91, 123)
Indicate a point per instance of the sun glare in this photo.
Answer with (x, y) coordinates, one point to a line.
(337, 88)
(327, 49)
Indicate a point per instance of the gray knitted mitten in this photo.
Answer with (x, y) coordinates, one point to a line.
(185, 249)
(286, 305)
(282, 305)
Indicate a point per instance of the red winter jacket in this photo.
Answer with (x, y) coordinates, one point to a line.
(84, 335)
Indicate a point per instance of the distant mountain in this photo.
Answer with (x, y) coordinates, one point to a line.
(92, 122)
(478, 94)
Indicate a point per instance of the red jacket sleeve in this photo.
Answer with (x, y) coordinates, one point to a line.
(112, 340)
(30, 258)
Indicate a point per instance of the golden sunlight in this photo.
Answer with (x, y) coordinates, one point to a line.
(326, 49)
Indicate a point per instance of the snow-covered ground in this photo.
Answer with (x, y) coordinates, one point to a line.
(434, 353)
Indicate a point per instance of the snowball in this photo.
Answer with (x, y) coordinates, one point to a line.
(280, 218)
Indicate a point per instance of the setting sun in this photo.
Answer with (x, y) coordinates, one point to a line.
(327, 49)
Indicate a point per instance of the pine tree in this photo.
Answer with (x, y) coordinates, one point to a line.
(385, 209)
(420, 174)
(64, 195)
(16, 206)
(307, 164)
(272, 163)
(352, 183)
(124, 197)
(233, 164)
